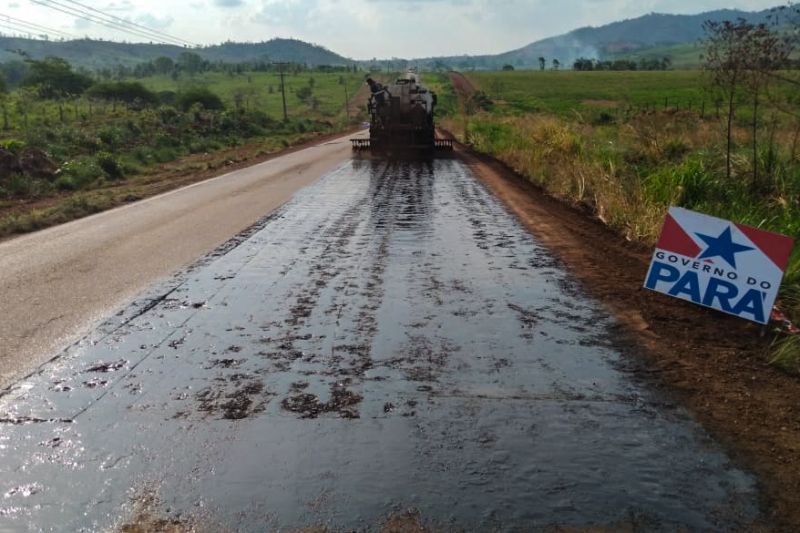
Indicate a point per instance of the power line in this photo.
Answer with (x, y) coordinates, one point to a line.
(33, 26)
(130, 23)
(75, 12)
(27, 32)
(82, 14)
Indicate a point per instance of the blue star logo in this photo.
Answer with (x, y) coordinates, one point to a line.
(722, 246)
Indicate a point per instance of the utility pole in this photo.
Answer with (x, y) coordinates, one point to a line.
(283, 89)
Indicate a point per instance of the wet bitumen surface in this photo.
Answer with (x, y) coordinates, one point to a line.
(392, 338)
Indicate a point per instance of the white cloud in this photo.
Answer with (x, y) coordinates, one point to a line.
(154, 22)
(378, 28)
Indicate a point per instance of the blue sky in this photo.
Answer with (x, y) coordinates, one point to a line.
(364, 29)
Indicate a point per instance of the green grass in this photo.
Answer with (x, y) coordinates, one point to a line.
(254, 88)
(439, 83)
(568, 92)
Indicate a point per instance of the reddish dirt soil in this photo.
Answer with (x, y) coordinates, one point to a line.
(461, 84)
(714, 364)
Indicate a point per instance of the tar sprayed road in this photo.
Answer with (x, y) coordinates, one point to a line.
(392, 338)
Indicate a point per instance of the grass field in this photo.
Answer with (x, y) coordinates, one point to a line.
(261, 90)
(258, 91)
(566, 93)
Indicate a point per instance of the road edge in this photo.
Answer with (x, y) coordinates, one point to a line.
(712, 364)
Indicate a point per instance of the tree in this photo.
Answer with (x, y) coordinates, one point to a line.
(199, 95)
(4, 102)
(53, 77)
(304, 93)
(542, 63)
(508, 67)
(129, 92)
(556, 64)
(724, 60)
(163, 65)
(740, 56)
(14, 72)
(191, 62)
(766, 53)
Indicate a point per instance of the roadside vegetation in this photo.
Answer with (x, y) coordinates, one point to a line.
(74, 142)
(627, 145)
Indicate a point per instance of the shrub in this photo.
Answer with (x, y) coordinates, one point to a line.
(110, 166)
(480, 100)
(83, 171)
(675, 149)
(168, 115)
(202, 96)
(165, 154)
(168, 98)
(65, 183)
(130, 92)
(111, 136)
(604, 118)
(14, 146)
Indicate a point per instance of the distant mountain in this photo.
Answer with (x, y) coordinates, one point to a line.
(612, 40)
(651, 34)
(97, 54)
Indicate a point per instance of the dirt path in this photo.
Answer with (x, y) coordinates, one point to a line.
(57, 282)
(461, 84)
(715, 363)
(392, 338)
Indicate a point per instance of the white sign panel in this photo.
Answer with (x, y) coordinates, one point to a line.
(716, 263)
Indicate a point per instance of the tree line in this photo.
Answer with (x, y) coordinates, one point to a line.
(585, 64)
(15, 73)
(53, 78)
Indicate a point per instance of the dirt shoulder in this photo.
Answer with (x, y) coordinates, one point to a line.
(716, 365)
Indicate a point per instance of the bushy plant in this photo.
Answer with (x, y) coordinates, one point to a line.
(110, 166)
(202, 96)
(111, 136)
(83, 171)
(15, 146)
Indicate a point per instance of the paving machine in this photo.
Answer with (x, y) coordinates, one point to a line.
(401, 117)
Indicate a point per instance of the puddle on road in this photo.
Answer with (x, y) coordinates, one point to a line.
(391, 339)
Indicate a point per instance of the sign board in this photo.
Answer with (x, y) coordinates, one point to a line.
(716, 263)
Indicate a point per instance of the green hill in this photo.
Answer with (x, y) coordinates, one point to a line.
(654, 34)
(96, 54)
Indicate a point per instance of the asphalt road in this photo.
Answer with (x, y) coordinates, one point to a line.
(55, 284)
(391, 338)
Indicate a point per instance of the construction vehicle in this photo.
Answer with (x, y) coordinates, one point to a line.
(401, 118)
